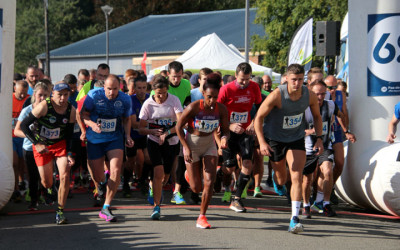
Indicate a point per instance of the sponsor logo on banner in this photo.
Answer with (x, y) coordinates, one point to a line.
(383, 76)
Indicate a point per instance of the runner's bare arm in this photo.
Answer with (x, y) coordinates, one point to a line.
(88, 122)
(273, 100)
(188, 112)
(224, 118)
(392, 130)
(127, 128)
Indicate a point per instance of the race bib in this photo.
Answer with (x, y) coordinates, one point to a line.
(206, 126)
(293, 121)
(164, 121)
(324, 128)
(107, 125)
(14, 122)
(77, 129)
(237, 117)
(50, 133)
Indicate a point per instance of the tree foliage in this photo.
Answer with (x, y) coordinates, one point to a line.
(74, 20)
(281, 18)
(67, 24)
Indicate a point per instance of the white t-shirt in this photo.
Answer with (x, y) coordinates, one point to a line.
(163, 114)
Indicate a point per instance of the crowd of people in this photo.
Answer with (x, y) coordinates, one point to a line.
(200, 132)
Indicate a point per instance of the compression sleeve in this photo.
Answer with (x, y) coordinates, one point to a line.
(69, 132)
(336, 111)
(25, 128)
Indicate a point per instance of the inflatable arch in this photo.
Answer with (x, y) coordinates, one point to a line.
(371, 175)
(7, 44)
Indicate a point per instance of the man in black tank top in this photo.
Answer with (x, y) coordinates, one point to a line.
(54, 120)
(287, 145)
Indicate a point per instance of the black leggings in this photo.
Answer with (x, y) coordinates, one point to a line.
(33, 173)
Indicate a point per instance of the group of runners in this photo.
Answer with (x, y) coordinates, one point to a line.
(176, 133)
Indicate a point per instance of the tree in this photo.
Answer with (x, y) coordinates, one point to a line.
(281, 18)
(74, 20)
(66, 24)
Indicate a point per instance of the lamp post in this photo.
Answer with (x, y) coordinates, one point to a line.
(107, 11)
(246, 32)
(46, 32)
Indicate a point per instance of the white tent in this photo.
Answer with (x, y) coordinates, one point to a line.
(211, 52)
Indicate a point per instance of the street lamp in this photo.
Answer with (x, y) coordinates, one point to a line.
(107, 11)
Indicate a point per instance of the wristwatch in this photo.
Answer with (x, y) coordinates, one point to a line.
(347, 132)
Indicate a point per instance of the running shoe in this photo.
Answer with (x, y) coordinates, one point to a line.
(318, 207)
(150, 197)
(106, 214)
(307, 212)
(328, 211)
(27, 196)
(16, 196)
(33, 206)
(178, 199)
(60, 218)
(280, 190)
(295, 226)
(156, 213)
(194, 197)
(237, 206)
(257, 192)
(227, 197)
(244, 193)
(202, 223)
(334, 199)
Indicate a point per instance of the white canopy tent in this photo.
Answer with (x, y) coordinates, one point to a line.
(211, 52)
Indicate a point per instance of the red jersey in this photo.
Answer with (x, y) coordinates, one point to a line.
(240, 101)
(16, 110)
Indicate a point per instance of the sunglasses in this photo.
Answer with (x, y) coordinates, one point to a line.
(331, 87)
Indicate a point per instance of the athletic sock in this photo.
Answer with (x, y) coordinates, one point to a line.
(326, 203)
(242, 182)
(106, 206)
(306, 204)
(320, 197)
(295, 208)
(59, 209)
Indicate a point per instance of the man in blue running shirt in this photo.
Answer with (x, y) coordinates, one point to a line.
(107, 112)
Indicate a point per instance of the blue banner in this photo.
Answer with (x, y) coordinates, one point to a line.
(383, 78)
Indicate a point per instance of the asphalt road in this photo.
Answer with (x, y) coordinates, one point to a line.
(264, 226)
